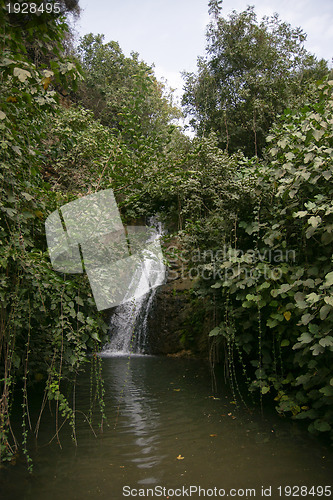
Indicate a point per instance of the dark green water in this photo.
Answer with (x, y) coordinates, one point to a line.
(159, 409)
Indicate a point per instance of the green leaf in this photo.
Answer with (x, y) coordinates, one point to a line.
(313, 297)
(79, 300)
(305, 338)
(317, 134)
(314, 221)
(327, 390)
(271, 323)
(301, 214)
(285, 343)
(16, 360)
(27, 196)
(306, 318)
(317, 349)
(80, 317)
(322, 426)
(303, 379)
(95, 336)
(326, 341)
(307, 414)
(329, 279)
(215, 331)
(218, 284)
(285, 288)
(324, 311)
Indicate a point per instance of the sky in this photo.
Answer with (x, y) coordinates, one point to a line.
(171, 33)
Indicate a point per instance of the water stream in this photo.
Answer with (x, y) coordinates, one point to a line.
(128, 326)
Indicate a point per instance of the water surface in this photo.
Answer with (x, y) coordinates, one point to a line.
(167, 428)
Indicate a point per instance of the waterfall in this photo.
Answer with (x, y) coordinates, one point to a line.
(128, 325)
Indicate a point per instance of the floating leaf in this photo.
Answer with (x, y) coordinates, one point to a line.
(46, 82)
(180, 457)
(11, 99)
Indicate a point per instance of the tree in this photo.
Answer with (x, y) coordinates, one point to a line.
(117, 86)
(251, 73)
(214, 8)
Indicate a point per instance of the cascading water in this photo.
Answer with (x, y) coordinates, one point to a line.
(128, 326)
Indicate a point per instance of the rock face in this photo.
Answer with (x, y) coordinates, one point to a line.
(175, 324)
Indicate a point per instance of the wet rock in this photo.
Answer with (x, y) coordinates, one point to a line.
(175, 324)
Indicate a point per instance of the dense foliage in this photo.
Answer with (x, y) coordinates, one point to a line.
(276, 298)
(48, 321)
(118, 87)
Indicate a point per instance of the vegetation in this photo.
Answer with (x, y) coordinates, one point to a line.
(274, 287)
(252, 72)
(250, 197)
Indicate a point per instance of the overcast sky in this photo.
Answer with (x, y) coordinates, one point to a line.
(171, 33)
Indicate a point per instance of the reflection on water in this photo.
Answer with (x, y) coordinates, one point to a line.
(139, 420)
(165, 427)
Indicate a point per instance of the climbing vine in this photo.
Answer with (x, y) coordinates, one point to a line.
(281, 290)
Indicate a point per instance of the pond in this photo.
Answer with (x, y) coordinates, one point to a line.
(168, 434)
